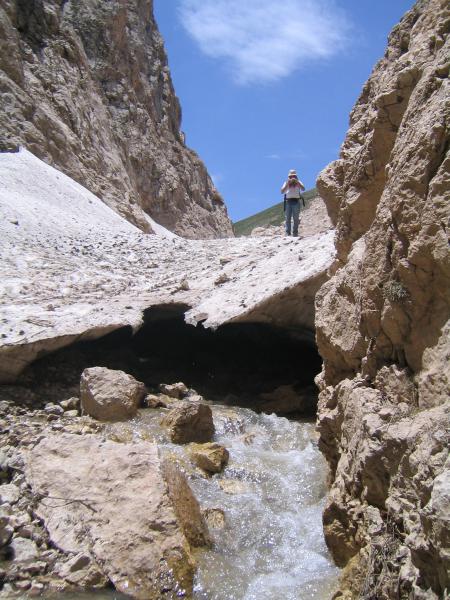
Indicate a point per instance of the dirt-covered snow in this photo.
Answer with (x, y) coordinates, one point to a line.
(70, 267)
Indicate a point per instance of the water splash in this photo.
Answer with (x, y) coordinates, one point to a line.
(272, 494)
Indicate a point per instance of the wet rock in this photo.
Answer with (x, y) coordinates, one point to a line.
(234, 486)
(185, 505)
(189, 423)
(215, 518)
(160, 401)
(114, 506)
(174, 390)
(109, 395)
(210, 457)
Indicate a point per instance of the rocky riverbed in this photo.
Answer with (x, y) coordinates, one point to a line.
(260, 488)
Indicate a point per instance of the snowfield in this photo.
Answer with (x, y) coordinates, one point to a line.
(72, 268)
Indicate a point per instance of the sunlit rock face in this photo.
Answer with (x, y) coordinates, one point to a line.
(85, 86)
(382, 321)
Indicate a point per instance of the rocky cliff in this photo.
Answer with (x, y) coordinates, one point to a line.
(383, 323)
(85, 86)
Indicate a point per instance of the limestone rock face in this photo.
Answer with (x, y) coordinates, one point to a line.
(85, 86)
(110, 502)
(189, 423)
(383, 321)
(109, 395)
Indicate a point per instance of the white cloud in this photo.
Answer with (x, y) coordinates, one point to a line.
(265, 40)
(274, 156)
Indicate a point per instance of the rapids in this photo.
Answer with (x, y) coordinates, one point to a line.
(272, 495)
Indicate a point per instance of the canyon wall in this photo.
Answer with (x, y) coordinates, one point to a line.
(383, 323)
(85, 86)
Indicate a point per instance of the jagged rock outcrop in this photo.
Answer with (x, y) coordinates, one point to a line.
(85, 86)
(383, 323)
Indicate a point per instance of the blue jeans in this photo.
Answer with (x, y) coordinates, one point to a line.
(292, 213)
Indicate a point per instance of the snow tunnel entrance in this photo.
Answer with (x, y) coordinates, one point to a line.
(254, 365)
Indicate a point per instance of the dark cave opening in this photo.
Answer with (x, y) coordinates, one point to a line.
(254, 365)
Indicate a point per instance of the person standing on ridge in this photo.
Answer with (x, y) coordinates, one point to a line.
(292, 190)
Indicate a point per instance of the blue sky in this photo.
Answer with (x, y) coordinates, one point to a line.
(267, 85)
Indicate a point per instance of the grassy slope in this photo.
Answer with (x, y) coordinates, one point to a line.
(270, 216)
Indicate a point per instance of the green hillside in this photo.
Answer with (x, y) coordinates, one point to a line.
(270, 216)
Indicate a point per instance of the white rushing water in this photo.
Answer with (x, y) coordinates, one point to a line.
(272, 546)
(272, 494)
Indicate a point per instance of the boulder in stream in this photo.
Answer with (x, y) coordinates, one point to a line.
(210, 457)
(109, 395)
(189, 423)
(109, 501)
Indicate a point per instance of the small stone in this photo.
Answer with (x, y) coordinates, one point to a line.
(189, 423)
(70, 404)
(6, 531)
(23, 585)
(36, 589)
(23, 550)
(19, 520)
(159, 401)
(71, 413)
(9, 493)
(211, 457)
(174, 390)
(53, 409)
(26, 532)
(215, 518)
(222, 279)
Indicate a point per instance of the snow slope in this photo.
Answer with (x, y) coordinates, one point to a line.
(71, 267)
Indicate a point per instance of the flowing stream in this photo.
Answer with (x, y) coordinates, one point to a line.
(271, 494)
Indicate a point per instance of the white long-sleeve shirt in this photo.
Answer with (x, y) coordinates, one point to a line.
(294, 191)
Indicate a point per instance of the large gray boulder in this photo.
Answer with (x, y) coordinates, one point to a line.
(109, 395)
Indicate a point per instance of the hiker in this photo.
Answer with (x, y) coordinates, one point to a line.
(292, 190)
